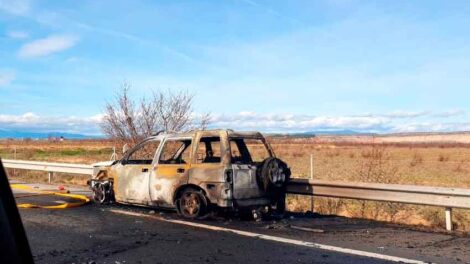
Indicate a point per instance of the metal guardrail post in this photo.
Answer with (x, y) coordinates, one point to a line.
(50, 175)
(114, 155)
(449, 219)
(14, 157)
(312, 202)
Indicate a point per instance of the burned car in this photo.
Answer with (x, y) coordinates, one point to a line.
(196, 172)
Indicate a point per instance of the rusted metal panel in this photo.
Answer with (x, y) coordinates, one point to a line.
(164, 181)
(210, 178)
(132, 183)
(245, 184)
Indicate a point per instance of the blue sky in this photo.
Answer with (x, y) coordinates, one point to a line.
(380, 66)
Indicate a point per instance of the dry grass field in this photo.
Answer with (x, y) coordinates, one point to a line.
(441, 162)
(431, 164)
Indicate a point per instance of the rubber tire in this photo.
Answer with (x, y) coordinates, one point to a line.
(203, 206)
(264, 179)
(280, 205)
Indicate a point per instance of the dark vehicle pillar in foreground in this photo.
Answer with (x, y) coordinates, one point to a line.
(14, 247)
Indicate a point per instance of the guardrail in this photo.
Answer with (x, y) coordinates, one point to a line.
(411, 194)
(49, 167)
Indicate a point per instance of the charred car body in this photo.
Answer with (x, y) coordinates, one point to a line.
(195, 172)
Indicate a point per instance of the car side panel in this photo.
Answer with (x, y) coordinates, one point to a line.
(164, 181)
(210, 177)
(131, 183)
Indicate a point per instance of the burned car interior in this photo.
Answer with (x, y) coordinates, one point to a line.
(209, 150)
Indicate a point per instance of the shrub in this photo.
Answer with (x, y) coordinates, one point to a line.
(417, 159)
(443, 158)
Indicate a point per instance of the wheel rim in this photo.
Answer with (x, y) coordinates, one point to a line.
(190, 204)
(276, 174)
(98, 193)
(103, 192)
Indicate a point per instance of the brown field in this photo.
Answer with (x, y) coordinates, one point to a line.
(455, 137)
(444, 162)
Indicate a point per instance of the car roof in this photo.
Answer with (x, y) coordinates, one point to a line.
(231, 133)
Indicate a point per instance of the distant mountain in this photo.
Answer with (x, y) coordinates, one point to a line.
(341, 132)
(41, 135)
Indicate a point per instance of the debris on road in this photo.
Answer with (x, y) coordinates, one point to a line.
(314, 230)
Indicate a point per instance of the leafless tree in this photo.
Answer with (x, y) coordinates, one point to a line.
(128, 121)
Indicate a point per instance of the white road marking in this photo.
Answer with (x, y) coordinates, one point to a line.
(274, 238)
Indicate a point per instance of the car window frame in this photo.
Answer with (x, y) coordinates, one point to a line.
(125, 160)
(162, 145)
(220, 149)
(246, 149)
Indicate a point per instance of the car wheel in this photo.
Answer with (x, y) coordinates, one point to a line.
(103, 192)
(192, 204)
(99, 193)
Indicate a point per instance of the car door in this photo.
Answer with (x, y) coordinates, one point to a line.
(209, 165)
(247, 155)
(170, 171)
(132, 182)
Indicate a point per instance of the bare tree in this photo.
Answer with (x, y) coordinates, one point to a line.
(127, 121)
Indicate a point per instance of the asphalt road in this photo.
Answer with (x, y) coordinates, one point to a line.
(126, 234)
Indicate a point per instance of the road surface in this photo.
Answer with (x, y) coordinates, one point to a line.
(125, 234)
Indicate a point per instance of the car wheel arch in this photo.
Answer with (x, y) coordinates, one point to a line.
(181, 189)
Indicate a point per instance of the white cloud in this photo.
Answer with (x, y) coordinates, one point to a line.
(47, 46)
(407, 114)
(16, 7)
(419, 114)
(37, 123)
(398, 121)
(451, 113)
(286, 123)
(242, 121)
(16, 34)
(432, 127)
(296, 123)
(6, 77)
(52, 19)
